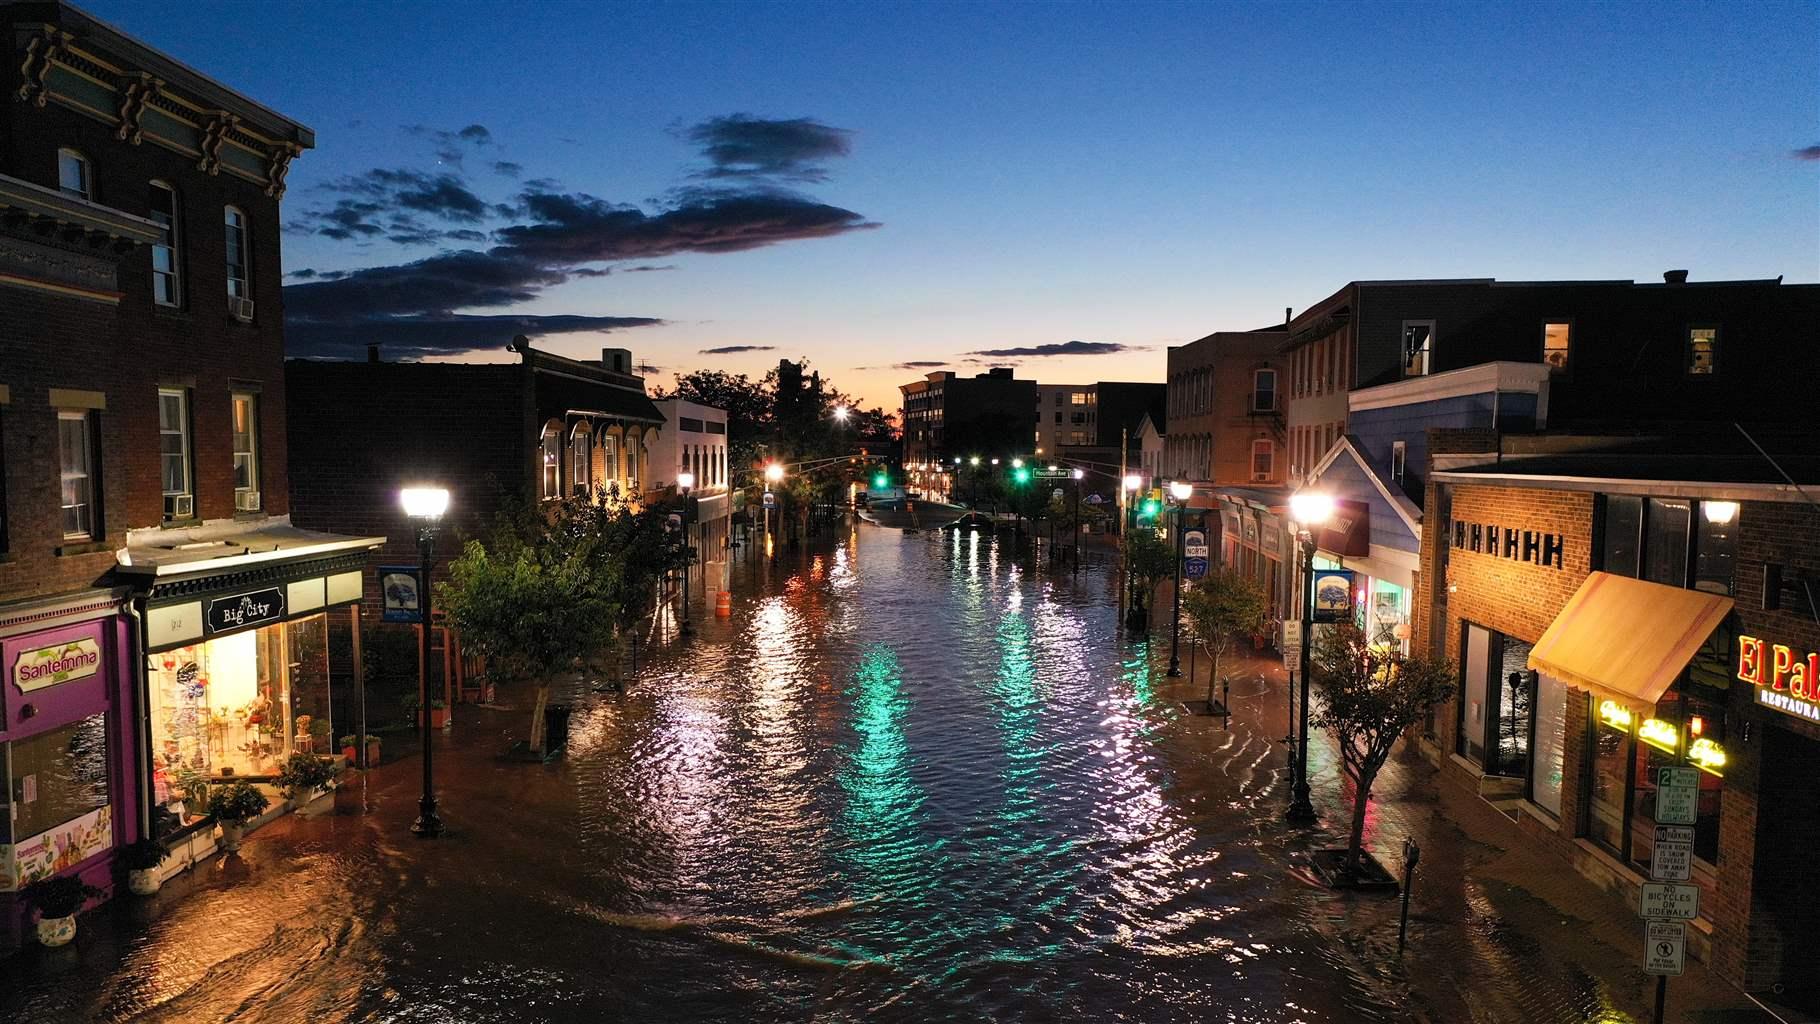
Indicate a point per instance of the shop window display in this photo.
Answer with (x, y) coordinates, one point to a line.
(56, 802)
(236, 706)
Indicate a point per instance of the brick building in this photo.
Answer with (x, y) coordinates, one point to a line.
(158, 612)
(945, 415)
(1613, 609)
(542, 427)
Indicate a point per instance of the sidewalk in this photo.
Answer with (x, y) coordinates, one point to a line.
(1497, 931)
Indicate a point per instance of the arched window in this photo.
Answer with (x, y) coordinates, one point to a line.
(581, 457)
(239, 282)
(167, 281)
(550, 463)
(75, 175)
(609, 462)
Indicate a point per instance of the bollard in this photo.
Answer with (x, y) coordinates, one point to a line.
(1226, 702)
(1411, 854)
(723, 604)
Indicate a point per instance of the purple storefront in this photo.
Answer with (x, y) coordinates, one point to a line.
(68, 745)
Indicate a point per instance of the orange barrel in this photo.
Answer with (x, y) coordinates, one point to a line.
(723, 604)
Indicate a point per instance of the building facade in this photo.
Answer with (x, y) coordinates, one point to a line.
(161, 620)
(1067, 415)
(1614, 610)
(945, 415)
(695, 442)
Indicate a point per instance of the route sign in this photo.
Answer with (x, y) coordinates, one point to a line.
(1671, 857)
(1677, 795)
(1194, 543)
(770, 500)
(1664, 947)
(1668, 901)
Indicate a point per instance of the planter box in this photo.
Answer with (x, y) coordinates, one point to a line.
(1330, 864)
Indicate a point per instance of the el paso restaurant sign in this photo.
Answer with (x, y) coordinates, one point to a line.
(58, 663)
(1784, 681)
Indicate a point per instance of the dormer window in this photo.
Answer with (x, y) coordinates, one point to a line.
(74, 174)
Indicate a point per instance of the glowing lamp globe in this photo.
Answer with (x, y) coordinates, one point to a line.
(1719, 513)
(1181, 490)
(424, 502)
(1310, 508)
(685, 480)
(1133, 482)
(774, 472)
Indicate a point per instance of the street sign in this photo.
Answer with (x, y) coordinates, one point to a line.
(1667, 901)
(1056, 494)
(1664, 947)
(770, 500)
(1194, 543)
(1054, 474)
(1194, 568)
(1677, 795)
(1671, 857)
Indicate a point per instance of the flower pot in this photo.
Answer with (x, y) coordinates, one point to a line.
(439, 718)
(231, 835)
(144, 881)
(348, 752)
(372, 753)
(56, 931)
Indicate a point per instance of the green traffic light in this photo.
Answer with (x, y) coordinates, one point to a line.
(1150, 508)
(880, 482)
(1021, 475)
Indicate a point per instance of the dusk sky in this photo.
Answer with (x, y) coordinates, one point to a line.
(870, 185)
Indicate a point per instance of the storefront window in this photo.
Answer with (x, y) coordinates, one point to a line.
(1623, 535)
(57, 776)
(1550, 757)
(1515, 699)
(1715, 547)
(1609, 768)
(1665, 551)
(1388, 613)
(1475, 668)
(236, 706)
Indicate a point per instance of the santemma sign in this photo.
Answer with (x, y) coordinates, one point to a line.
(58, 663)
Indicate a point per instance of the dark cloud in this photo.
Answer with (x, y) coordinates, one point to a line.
(743, 146)
(1066, 348)
(920, 364)
(576, 228)
(452, 147)
(398, 195)
(475, 133)
(1808, 153)
(411, 337)
(301, 274)
(727, 350)
(508, 168)
(436, 285)
(646, 268)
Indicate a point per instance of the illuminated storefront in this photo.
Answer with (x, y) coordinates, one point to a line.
(67, 744)
(237, 668)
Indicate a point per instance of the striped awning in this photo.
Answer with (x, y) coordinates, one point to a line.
(1625, 639)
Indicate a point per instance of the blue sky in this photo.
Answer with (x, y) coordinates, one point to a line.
(1128, 175)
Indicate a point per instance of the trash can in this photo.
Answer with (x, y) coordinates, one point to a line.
(556, 726)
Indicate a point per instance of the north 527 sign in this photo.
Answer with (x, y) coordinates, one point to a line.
(242, 610)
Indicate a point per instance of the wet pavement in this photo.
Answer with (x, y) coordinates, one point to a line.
(912, 778)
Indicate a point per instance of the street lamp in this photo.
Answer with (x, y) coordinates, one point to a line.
(685, 482)
(774, 473)
(840, 413)
(425, 506)
(1309, 510)
(1181, 491)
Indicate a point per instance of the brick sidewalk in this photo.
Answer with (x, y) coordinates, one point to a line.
(1498, 930)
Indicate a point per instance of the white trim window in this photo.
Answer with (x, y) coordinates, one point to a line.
(1418, 347)
(1399, 461)
(246, 452)
(1264, 390)
(1263, 459)
(76, 462)
(239, 284)
(581, 457)
(1557, 344)
(167, 282)
(174, 453)
(550, 463)
(75, 175)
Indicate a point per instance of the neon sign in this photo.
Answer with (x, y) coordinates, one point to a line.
(1707, 756)
(1615, 715)
(1784, 682)
(1659, 734)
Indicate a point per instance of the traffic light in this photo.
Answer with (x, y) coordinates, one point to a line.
(881, 481)
(1150, 508)
(1020, 475)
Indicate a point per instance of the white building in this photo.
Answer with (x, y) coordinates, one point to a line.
(1066, 415)
(694, 440)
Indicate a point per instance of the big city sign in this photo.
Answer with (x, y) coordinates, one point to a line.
(1789, 684)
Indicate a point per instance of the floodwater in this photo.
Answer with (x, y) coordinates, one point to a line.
(912, 778)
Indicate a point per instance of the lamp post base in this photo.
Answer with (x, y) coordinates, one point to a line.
(1175, 668)
(427, 825)
(1301, 811)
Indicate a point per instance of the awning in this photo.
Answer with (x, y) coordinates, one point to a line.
(1625, 639)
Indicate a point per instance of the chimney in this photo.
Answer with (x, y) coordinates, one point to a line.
(619, 360)
(372, 353)
(1286, 316)
(1674, 276)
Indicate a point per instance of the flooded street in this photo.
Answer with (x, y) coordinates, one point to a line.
(910, 779)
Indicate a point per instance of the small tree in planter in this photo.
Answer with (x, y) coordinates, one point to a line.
(142, 860)
(58, 899)
(1222, 606)
(1371, 694)
(303, 774)
(1150, 560)
(234, 805)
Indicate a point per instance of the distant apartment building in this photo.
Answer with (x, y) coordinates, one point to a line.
(1226, 410)
(1066, 416)
(946, 416)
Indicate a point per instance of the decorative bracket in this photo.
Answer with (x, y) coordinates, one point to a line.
(212, 138)
(139, 91)
(278, 166)
(49, 46)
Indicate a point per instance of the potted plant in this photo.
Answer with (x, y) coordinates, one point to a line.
(142, 861)
(303, 776)
(439, 714)
(347, 747)
(58, 899)
(372, 750)
(234, 805)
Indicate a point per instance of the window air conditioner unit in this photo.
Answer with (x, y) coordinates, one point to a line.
(179, 506)
(1257, 477)
(246, 501)
(241, 308)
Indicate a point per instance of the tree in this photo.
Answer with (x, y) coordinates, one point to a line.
(1224, 604)
(1371, 694)
(1149, 560)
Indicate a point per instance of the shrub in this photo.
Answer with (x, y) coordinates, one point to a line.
(237, 803)
(302, 773)
(59, 896)
(144, 855)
